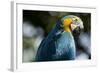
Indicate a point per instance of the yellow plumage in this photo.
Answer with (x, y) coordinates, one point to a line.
(67, 23)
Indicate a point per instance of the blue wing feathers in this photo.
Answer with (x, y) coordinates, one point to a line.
(58, 45)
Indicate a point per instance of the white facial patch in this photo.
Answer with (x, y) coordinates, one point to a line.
(77, 22)
(73, 26)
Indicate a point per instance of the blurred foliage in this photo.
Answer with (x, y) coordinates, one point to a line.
(47, 20)
(28, 43)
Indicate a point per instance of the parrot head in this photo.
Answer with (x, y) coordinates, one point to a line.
(72, 23)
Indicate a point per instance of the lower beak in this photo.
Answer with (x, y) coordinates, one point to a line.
(76, 31)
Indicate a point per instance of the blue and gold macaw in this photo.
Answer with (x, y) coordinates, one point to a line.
(59, 44)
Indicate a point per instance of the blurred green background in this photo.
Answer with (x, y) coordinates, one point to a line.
(38, 24)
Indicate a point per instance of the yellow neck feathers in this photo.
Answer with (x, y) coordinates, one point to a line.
(67, 29)
(67, 23)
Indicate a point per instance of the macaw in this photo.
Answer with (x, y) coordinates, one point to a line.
(59, 44)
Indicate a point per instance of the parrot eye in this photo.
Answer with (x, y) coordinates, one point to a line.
(75, 21)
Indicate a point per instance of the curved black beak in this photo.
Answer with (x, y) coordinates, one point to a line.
(76, 31)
